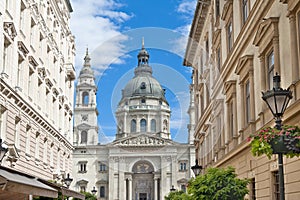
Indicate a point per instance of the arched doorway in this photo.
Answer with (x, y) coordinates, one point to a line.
(143, 187)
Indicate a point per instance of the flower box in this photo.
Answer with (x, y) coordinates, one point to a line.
(271, 141)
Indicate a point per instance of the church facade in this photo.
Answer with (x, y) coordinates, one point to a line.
(143, 162)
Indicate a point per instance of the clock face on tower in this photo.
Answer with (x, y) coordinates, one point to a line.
(84, 117)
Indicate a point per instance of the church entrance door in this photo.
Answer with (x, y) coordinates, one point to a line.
(143, 196)
(143, 181)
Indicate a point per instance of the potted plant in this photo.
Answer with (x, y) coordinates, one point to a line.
(270, 141)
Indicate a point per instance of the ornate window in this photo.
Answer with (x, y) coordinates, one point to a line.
(82, 166)
(143, 125)
(153, 125)
(227, 17)
(245, 71)
(83, 137)
(182, 166)
(245, 8)
(230, 90)
(102, 191)
(229, 35)
(102, 167)
(85, 98)
(267, 39)
(133, 126)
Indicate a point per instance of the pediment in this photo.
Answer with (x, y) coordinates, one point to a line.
(227, 7)
(264, 28)
(143, 140)
(242, 64)
(83, 126)
(82, 182)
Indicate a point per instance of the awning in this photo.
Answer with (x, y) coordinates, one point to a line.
(19, 185)
(66, 192)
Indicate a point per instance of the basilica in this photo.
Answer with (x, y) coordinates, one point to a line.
(143, 162)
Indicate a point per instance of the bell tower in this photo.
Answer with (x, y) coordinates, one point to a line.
(85, 112)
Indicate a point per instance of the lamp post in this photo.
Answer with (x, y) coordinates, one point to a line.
(172, 189)
(3, 151)
(277, 100)
(68, 180)
(196, 168)
(94, 191)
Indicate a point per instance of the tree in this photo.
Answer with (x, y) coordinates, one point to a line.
(218, 184)
(178, 195)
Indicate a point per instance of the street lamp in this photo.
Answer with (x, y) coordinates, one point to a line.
(196, 168)
(68, 180)
(277, 100)
(94, 191)
(172, 189)
(3, 151)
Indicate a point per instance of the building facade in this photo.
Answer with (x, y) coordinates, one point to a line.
(235, 49)
(142, 162)
(36, 86)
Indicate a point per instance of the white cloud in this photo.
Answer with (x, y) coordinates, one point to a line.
(95, 23)
(186, 10)
(187, 7)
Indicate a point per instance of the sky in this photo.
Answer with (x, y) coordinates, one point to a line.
(112, 30)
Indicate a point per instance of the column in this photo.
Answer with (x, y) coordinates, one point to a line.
(111, 178)
(263, 87)
(234, 109)
(155, 189)
(122, 186)
(294, 50)
(173, 175)
(130, 188)
(164, 189)
(227, 135)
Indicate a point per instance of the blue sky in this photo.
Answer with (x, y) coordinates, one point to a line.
(113, 31)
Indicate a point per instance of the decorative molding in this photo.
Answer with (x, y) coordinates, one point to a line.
(10, 29)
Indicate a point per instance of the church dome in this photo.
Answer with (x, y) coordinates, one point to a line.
(143, 83)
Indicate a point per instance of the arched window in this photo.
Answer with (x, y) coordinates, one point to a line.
(102, 191)
(85, 98)
(143, 125)
(153, 125)
(83, 137)
(133, 126)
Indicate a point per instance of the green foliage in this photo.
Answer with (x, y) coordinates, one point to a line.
(178, 195)
(88, 196)
(260, 141)
(218, 184)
